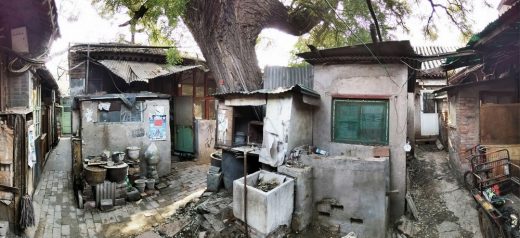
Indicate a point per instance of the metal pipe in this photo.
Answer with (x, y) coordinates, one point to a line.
(86, 73)
(245, 191)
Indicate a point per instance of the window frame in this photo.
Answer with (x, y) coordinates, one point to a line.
(141, 108)
(386, 102)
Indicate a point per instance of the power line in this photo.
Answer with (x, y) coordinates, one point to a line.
(362, 42)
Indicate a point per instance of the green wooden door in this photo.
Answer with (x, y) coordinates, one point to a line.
(66, 115)
(184, 141)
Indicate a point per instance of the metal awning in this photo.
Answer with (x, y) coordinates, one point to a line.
(132, 71)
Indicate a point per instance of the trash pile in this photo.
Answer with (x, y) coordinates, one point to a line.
(267, 185)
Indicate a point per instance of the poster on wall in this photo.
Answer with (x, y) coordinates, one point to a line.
(31, 158)
(158, 128)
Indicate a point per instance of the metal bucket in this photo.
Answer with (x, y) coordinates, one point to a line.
(117, 173)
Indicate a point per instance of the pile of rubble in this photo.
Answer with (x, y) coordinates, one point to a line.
(211, 216)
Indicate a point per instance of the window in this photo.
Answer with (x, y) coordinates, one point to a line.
(360, 121)
(428, 102)
(37, 102)
(117, 112)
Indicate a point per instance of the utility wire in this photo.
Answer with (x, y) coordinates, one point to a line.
(362, 42)
(375, 57)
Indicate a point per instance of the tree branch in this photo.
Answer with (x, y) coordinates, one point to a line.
(373, 14)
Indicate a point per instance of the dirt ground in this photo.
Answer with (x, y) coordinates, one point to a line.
(445, 207)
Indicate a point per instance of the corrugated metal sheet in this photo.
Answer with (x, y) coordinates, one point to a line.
(106, 190)
(279, 76)
(280, 90)
(432, 68)
(132, 71)
(431, 51)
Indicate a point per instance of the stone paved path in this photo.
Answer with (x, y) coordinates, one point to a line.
(60, 217)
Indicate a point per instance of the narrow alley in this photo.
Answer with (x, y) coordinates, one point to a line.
(445, 207)
(58, 215)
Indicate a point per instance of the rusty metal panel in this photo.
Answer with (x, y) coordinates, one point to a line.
(502, 129)
(183, 111)
(285, 77)
(143, 71)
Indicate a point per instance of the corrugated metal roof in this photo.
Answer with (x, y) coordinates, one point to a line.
(431, 51)
(279, 76)
(388, 49)
(132, 71)
(120, 95)
(280, 90)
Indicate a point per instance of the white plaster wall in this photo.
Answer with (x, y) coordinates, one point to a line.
(301, 124)
(366, 80)
(116, 136)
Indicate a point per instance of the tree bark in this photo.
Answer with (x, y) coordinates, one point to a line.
(226, 32)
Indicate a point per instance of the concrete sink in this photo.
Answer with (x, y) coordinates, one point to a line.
(266, 211)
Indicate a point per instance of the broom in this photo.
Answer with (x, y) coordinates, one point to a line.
(27, 215)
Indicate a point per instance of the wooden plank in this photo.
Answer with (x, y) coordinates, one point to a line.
(499, 130)
(411, 206)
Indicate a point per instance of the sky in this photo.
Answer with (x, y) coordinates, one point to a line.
(80, 22)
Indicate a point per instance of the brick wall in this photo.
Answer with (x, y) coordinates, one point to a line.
(468, 121)
(464, 133)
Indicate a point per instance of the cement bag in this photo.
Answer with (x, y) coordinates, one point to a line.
(151, 151)
(6, 145)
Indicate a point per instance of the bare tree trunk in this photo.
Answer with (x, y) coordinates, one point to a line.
(226, 32)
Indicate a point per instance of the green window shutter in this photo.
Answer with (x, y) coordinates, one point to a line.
(347, 123)
(360, 121)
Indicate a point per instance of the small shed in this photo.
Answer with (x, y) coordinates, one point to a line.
(266, 122)
(362, 115)
(114, 122)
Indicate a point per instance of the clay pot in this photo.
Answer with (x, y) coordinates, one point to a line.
(133, 152)
(94, 174)
(140, 184)
(150, 184)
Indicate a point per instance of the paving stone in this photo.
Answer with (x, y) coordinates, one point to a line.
(149, 234)
(65, 230)
(171, 229)
(61, 218)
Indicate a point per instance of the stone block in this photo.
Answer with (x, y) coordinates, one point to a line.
(350, 193)
(266, 211)
(213, 181)
(120, 202)
(302, 195)
(106, 204)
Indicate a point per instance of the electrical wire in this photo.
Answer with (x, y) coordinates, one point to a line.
(361, 41)
(376, 58)
(29, 62)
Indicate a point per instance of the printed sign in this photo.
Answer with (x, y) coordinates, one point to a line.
(158, 128)
(31, 159)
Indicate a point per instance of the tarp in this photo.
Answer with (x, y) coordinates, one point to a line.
(132, 71)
